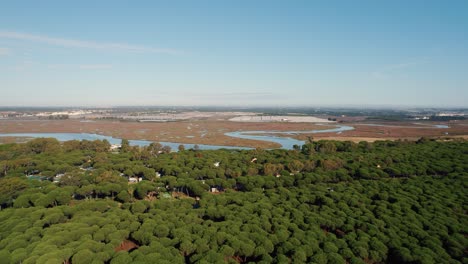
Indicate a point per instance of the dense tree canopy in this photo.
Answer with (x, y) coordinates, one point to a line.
(324, 202)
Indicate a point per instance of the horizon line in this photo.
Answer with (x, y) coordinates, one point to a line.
(332, 106)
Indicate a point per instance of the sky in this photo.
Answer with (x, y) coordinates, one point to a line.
(234, 53)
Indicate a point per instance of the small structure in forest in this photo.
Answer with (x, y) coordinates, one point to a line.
(134, 179)
(58, 177)
(216, 189)
(115, 147)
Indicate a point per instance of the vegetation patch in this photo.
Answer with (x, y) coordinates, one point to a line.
(323, 202)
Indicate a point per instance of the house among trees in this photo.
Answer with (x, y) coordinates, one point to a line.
(58, 177)
(216, 188)
(134, 179)
(115, 147)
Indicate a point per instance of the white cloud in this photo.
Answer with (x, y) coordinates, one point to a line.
(388, 71)
(24, 65)
(74, 43)
(57, 66)
(379, 75)
(95, 66)
(4, 51)
(405, 65)
(80, 66)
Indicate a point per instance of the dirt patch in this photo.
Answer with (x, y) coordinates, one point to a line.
(393, 131)
(180, 195)
(8, 140)
(126, 245)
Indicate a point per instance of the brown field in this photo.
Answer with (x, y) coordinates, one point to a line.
(7, 140)
(212, 131)
(395, 130)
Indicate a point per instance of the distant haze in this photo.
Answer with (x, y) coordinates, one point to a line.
(234, 53)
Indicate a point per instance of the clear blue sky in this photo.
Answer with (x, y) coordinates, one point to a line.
(256, 53)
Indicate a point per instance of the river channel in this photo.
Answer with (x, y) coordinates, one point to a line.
(285, 142)
(270, 136)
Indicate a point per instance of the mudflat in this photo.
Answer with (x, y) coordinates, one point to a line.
(197, 132)
(213, 131)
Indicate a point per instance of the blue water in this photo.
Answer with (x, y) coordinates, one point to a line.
(285, 142)
(86, 136)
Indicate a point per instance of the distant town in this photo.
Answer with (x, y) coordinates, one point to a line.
(166, 114)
